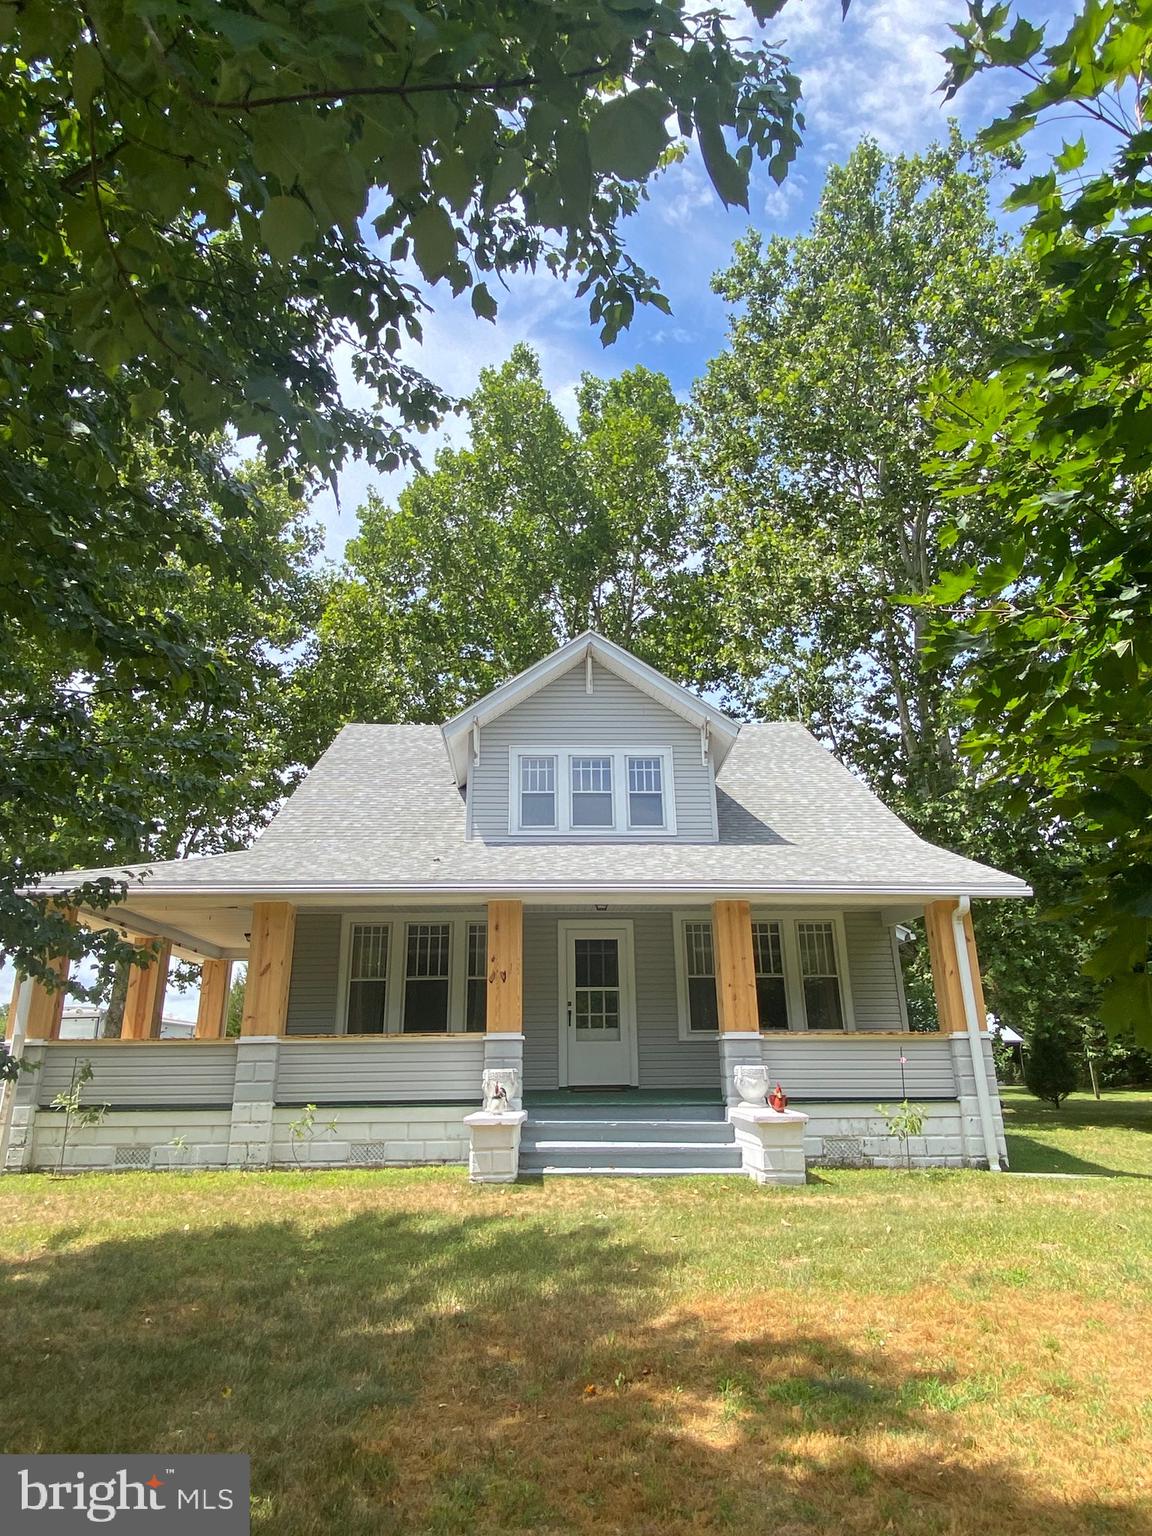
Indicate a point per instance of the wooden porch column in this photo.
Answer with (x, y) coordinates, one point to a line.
(735, 967)
(211, 1014)
(144, 1001)
(505, 967)
(46, 1007)
(269, 968)
(945, 967)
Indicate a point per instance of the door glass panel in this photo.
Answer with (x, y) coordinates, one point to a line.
(596, 988)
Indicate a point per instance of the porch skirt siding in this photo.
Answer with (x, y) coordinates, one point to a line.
(381, 1072)
(151, 1072)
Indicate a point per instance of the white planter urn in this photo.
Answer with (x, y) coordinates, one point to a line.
(752, 1084)
(500, 1087)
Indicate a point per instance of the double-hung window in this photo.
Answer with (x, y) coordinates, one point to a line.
(537, 792)
(368, 978)
(645, 792)
(771, 987)
(700, 977)
(428, 954)
(476, 1001)
(823, 1003)
(591, 788)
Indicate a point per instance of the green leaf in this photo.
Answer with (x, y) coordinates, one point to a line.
(627, 136)
(87, 75)
(1072, 156)
(728, 177)
(433, 240)
(483, 304)
(286, 225)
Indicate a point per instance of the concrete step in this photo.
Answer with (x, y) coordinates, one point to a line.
(565, 1172)
(562, 1128)
(623, 1110)
(674, 1156)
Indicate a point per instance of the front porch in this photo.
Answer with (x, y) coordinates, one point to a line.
(625, 1025)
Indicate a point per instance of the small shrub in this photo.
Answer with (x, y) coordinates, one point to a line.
(904, 1122)
(1050, 1069)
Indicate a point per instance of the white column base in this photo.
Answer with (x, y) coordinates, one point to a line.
(738, 1048)
(504, 1052)
(771, 1142)
(494, 1145)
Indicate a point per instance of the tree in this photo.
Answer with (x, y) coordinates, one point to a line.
(530, 534)
(183, 195)
(1049, 1067)
(1055, 633)
(809, 440)
(100, 769)
(810, 445)
(235, 1013)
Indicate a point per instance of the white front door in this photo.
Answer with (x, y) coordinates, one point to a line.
(597, 1005)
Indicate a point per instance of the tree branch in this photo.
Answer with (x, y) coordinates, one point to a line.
(428, 87)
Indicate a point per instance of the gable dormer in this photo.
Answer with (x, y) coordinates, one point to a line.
(590, 744)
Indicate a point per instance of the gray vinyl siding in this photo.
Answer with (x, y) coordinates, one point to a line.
(666, 1061)
(315, 973)
(541, 1000)
(872, 972)
(614, 715)
(831, 1068)
(363, 1071)
(160, 1072)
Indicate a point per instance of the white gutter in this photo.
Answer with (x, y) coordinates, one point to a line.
(15, 1045)
(975, 1043)
(528, 889)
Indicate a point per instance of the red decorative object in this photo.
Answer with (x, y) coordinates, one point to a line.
(778, 1099)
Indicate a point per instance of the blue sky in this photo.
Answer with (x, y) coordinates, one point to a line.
(875, 73)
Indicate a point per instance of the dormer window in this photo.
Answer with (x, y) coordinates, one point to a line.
(537, 793)
(572, 792)
(591, 779)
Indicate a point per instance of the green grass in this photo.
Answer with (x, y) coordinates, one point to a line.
(402, 1354)
(1109, 1136)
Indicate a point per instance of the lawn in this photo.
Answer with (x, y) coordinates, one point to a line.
(880, 1354)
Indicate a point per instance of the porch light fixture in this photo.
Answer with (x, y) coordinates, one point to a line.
(603, 908)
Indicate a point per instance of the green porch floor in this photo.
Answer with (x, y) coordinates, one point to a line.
(542, 1098)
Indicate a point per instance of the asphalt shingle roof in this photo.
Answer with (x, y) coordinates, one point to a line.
(381, 812)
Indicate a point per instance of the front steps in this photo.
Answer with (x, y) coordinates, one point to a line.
(628, 1140)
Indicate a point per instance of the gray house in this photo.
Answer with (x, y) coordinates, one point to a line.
(585, 926)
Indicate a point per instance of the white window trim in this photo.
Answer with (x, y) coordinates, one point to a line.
(394, 984)
(621, 826)
(793, 980)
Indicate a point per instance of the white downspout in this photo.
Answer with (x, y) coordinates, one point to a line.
(975, 1044)
(15, 1045)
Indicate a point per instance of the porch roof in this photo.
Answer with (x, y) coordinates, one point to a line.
(380, 815)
